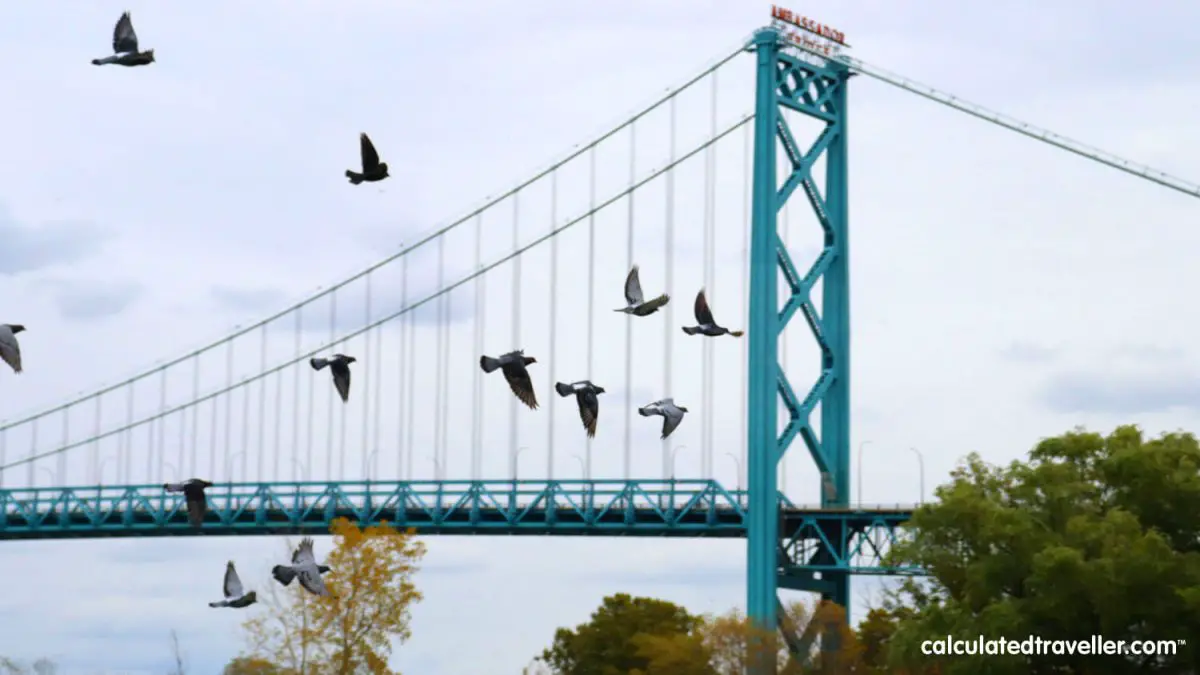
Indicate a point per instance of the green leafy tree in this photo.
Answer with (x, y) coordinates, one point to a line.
(1092, 535)
(609, 643)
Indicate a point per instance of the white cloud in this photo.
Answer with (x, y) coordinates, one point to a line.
(216, 175)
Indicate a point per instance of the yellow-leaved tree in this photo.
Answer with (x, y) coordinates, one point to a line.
(353, 629)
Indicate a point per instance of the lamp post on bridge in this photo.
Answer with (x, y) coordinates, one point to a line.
(437, 466)
(860, 491)
(516, 462)
(174, 471)
(371, 464)
(921, 466)
(303, 468)
(229, 464)
(53, 475)
(100, 470)
(587, 484)
(674, 454)
(737, 462)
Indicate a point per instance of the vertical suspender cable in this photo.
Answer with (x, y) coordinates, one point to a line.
(162, 425)
(513, 434)
(439, 412)
(747, 174)
(403, 466)
(377, 399)
(33, 450)
(96, 441)
(126, 436)
(228, 408)
(4, 452)
(409, 365)
(262, 409)
(298, 328)
(437, 367)
(61, 465)
(591, 302)
(366, 400)
(309, 468)
(629, 403)
(212, 441)
(151, 451)
(553, 402)
(669, 269)
(182, 466)
(477, 374)
(246, 428)
(444, 404)
(707, 348)
(330, 392)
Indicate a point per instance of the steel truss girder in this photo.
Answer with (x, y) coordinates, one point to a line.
(680, 508)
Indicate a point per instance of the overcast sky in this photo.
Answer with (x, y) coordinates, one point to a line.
(1003, 290)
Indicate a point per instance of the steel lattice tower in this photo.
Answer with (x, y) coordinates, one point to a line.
(787, 81)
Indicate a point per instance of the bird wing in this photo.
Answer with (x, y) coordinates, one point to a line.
(173, 487)
(304, 553)
(341, 381)
(671, 419)
(311, 580)
(196, 506)
(10, 352)
(520, 383)
(124, 37)
(589, 410)
(633, 287)
(370, 158)
(703, 313)
(653, 305)
(233, 585)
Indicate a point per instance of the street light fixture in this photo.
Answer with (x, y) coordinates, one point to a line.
(860, 472)
(921, 466)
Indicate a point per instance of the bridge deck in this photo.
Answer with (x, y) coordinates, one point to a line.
(648, 508)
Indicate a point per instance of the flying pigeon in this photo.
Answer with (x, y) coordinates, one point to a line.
(672, 414)
(193, 493)
(10, 349)
(637, 304)
(125, 46)
(585, 395)
(304, 565)
(339, 365)
(513, 365)
(704, 317)
(235, 596)
(372, 169)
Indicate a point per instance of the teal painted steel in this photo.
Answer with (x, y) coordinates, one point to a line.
(817, 89)
(762, 525)
(657, 508)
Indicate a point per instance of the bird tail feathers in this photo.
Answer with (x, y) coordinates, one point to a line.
(318, 363)
(737, 333)
(488, 363)
(283, 574)
(643, 413)
(690, 330)
(355, 178)
(563, 390)
(217, 604)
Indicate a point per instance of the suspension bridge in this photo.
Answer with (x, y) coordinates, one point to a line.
(709, 187)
